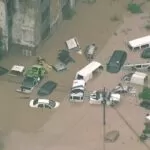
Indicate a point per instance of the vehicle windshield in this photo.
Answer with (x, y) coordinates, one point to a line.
(28, 83)
(77, 91)
(35, 101)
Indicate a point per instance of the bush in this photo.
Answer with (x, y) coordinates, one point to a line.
(145, 94)
(68, 12)
(147, 27)
(134, 8)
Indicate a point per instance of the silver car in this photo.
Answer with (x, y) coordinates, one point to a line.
(59, 66)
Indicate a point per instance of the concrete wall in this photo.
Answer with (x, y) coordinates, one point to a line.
(4, 24)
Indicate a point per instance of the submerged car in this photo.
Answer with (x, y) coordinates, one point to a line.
(146, 53)
(64, 57)
(124, 89)
(97, 98)
(44, 103)
(59, 66)
(116, 61)
(28, 85)
(47, 88)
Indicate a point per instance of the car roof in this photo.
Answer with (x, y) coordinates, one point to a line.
(117, 54)
(45, 101)
(49, 82)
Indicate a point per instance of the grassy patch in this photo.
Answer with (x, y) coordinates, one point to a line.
(145, 94)
(134, 8)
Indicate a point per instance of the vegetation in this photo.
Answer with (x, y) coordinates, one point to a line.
(145, 94)
(134, 8)
(147, 27)
(68, 12)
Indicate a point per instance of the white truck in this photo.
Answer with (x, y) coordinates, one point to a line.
(77, 91)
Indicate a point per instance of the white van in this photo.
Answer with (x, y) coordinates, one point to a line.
(88, 71)
(140, 43)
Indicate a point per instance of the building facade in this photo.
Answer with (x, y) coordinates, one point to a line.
(6, 15)
(26, 23)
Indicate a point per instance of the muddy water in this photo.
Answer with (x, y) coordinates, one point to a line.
(92, 23)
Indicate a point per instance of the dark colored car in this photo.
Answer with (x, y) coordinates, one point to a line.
(47, 88)
(146, 53)
(64, 57)
(116, 61)
(145, 104)
(3, 71)
(29, 83)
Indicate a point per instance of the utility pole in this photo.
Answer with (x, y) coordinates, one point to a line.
(104, 106)
(104, 115)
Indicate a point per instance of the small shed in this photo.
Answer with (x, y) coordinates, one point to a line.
(139, 78)
(73, 44)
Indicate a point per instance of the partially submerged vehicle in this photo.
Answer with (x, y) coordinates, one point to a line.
(44, 103)
(124, 89)
(28, 84)
(96, 97)
(64, 57)
(138, 78)
(47, 88)
(33, 76)
(89, 71)
(90, 52)
(77, 91)
(59, 67)
(116, 61)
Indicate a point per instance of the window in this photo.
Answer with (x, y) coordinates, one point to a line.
(145, 46)
(35, 101)
(136, 48)
(40, 105)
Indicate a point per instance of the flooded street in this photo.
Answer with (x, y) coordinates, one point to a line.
(70, 127)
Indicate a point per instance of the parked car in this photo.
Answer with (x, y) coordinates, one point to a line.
(146, 53)
(3, 71)
(116, 61)
(59, 66)
(28, 84)
(47, 88)
(64, 57)
(44, 103)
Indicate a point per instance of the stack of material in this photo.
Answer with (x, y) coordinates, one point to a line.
(112, 136)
